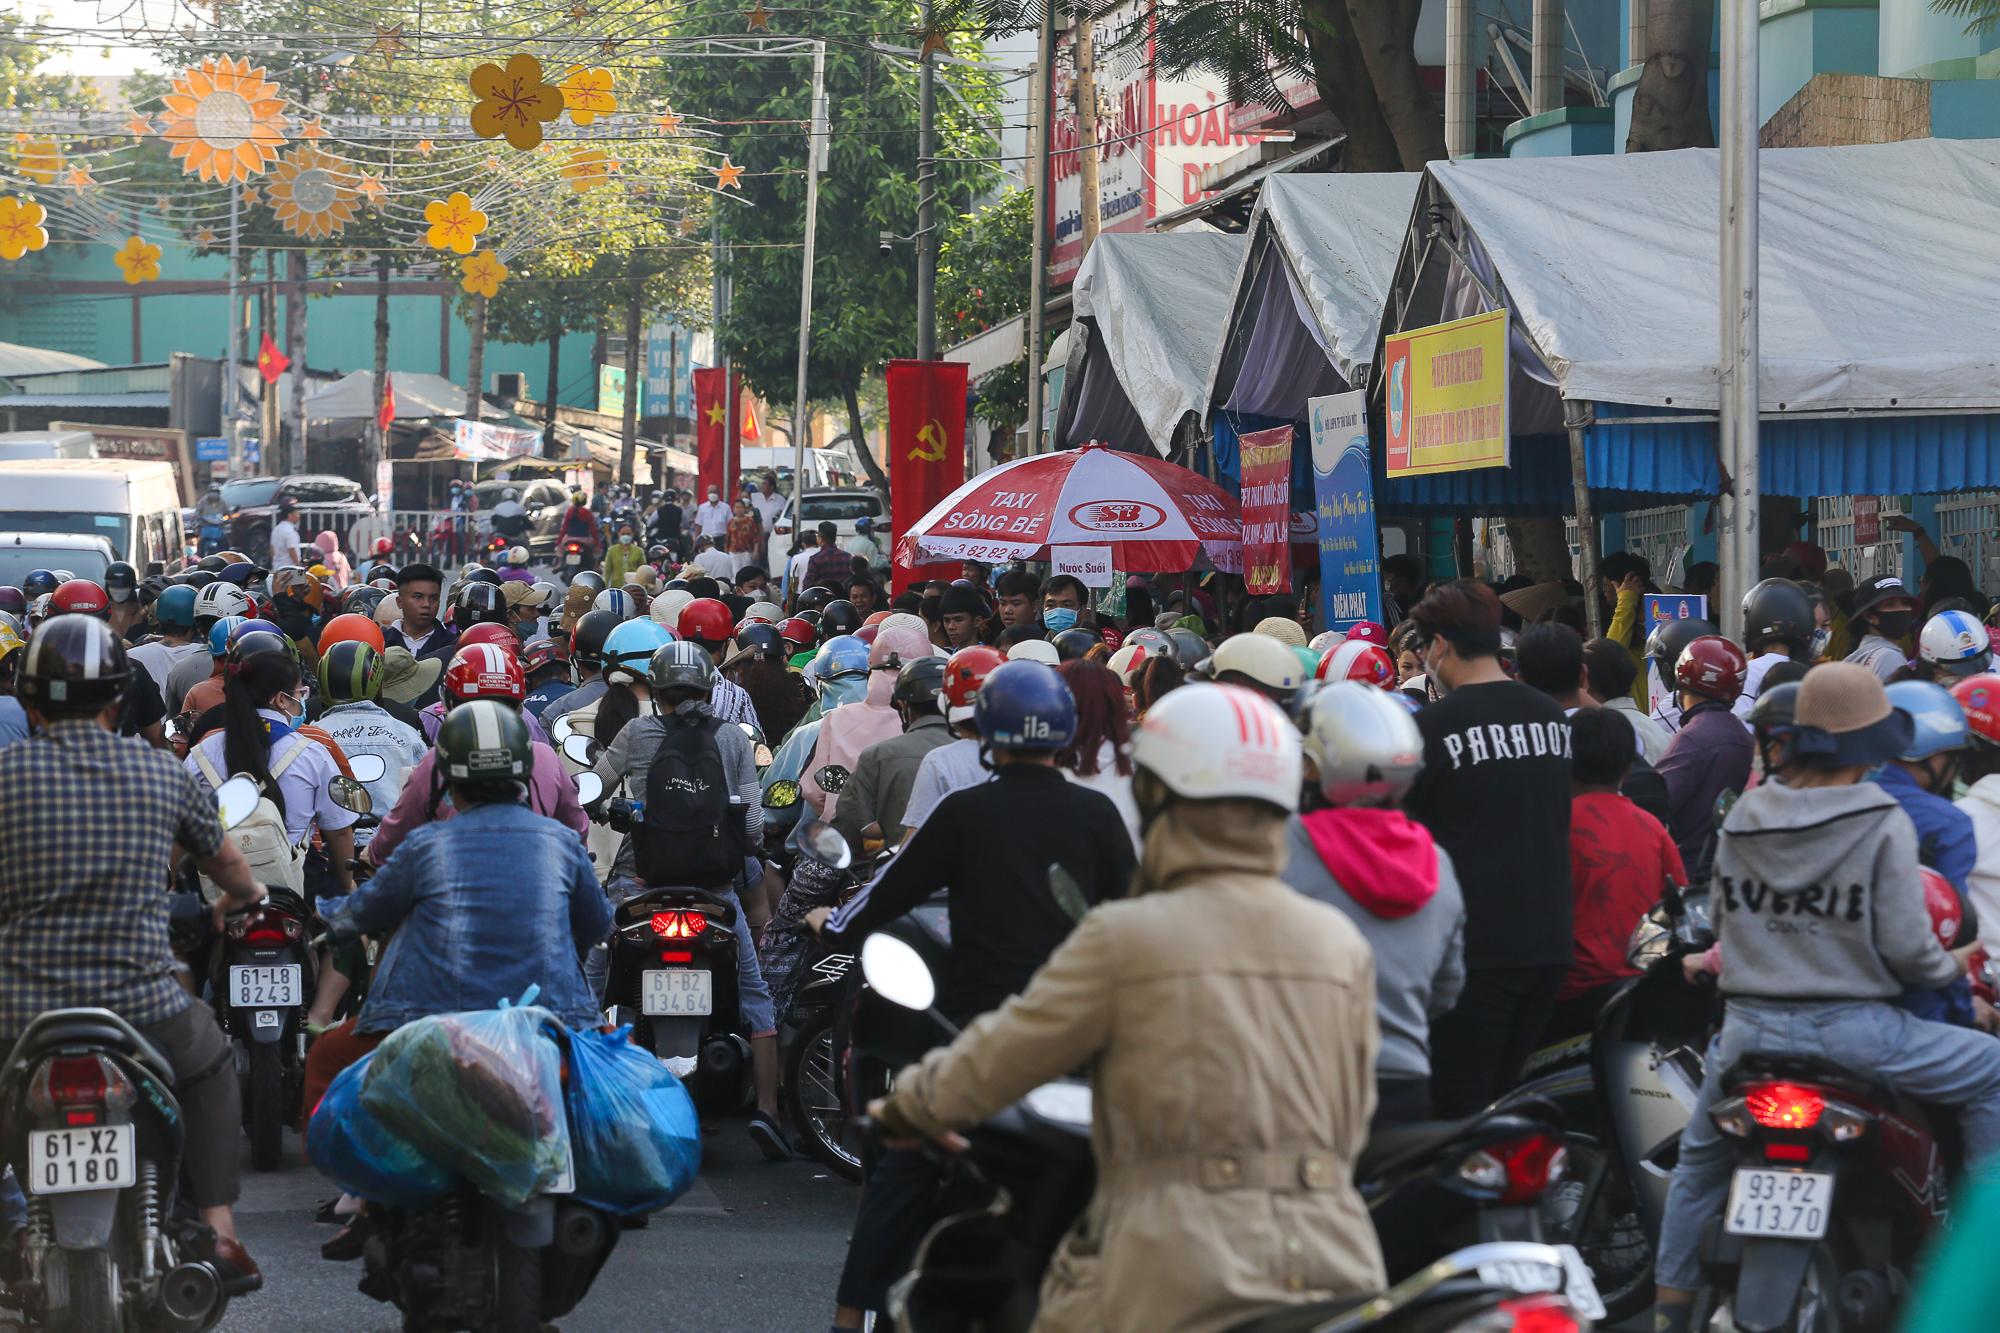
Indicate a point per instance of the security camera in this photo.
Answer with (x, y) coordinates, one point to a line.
(884, 241)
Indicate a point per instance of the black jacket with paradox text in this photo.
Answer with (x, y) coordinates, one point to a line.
(1495, 794)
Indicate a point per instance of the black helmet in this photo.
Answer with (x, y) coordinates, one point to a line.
(40, 582)
(1775, 707)
(1665, 644)
(361, 600)
(676, 585)
(214, 564)
(759, 642)
(1777, 609)
(483, 741)
(198, 579)
(120, 580)
(655, 554)
(586, 641)
(380, 571)
(478, 574)
(589, 579)
(260, 641)
(480, 604)
(838, 617)
(1075, 642)
(350, 670)
(74, 664)
(920, 682)
(815, 598)
(681, 665)
(241, 573)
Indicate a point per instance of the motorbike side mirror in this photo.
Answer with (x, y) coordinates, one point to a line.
(781, 795)
(822, 842)
(562, 730)
(349, 794)
(235, 800)
(580, 749)
(367, 767)
(589, 787)
(831, 778)
(897, 972)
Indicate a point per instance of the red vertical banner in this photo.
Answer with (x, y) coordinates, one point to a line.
(711, 415)
(1267, 509)
(926, 449)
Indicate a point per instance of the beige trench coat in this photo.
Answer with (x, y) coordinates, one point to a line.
(1230, 1026)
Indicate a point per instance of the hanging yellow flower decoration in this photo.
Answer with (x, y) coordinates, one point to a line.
(224, 120)
(21, 227)
(587, 94)
(314, 193)
(455, 223)
(483, 273)
(513, 102)
(588, 167)
(140, 261)
(40, 160)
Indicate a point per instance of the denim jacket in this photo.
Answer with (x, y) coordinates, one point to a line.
(483, 906)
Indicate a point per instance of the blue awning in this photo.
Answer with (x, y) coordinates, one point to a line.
(85, 400)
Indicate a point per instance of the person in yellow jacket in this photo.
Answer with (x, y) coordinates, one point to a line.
(1628, 627)
(624, 558)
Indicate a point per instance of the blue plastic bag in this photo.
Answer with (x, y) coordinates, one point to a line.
(479, 1093)
(633, 1126)
(363, 1156)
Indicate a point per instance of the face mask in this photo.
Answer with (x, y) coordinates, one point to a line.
(1816, 646)
(1893, 624)
(1058, 619)
(625, 539)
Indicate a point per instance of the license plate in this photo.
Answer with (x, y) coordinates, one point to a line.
(573, 558)
(63, 1161)
(677, 994)
(1791, 1204)
(1573, 1279)
(277, 985)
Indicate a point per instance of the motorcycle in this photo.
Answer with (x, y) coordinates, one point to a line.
(578, 555)
(493, 551)
(263, 974)
(1625, 1090)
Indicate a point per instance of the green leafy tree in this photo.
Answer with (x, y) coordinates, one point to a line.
(983, 271)
(23, 80)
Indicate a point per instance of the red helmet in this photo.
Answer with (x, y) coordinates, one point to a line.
(878, 617)
(542, 652)
(1714, 667)
(1979, 696)
(706, 619)
(79, 597)
(798, 633)
(500, 636)
(1941, 901)
(485, 671)
(1367, 631)
(383, 546)
(1357, 659)
(1112, 638)
(965, 671)
(867, 634)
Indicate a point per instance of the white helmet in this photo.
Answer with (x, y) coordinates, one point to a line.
(1326, 639)
(1127, 659)
(666, 608)
(1259, 658)
(1207, 741)
(1033, 650)
(1956, 641)
(618, 602)
(221, 599)
(761, 613)
(1363, 741)
(517, 555)
(510, 494)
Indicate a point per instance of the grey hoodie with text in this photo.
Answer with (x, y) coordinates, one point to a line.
(1816, 896)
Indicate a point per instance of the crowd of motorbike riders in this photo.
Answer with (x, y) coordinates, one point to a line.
(1311, 889)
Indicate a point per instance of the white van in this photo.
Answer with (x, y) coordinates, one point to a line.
(134, 506)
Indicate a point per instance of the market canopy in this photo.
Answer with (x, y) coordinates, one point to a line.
(18, 360)
(1153, 302)
(353, 397)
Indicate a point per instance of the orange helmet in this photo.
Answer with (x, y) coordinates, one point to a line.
(1979, 696)
(878, 618)
(352, 626)
(964, 673)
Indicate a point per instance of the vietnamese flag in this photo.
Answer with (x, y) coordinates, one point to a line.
(271, 362)
(926, 449)
(386, 413)
(711, 425)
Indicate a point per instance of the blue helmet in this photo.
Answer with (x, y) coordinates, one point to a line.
(1940, 722)
(1025, 705)
(219, 632)
(633, 644)
(38, 582)
(175, 606)
(248, 626)
(842, 655)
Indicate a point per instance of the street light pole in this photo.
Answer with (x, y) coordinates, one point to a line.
(1736, 418)
(1038, 160)
(816, 148)
(926, 197)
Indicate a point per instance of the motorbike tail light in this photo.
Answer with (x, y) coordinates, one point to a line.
(78, 1081)
(1787, 1152)
(266, 926)
(1515, 1170)
(671, 956)
(1544, 1312)
(1784, 1105)
(679, 925)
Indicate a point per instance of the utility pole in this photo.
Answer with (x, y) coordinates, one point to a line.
(1736, 415)
(1545, 80)
(295, 337)
(232, 427)
(628, 438)
(1460, 86)
(1086, 127)
(816, 152)
(926, 197)
(1040, 87)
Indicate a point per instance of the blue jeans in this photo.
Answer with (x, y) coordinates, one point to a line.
(753, 996)
(1951, 1066)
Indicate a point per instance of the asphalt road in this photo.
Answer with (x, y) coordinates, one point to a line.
(754, 1246)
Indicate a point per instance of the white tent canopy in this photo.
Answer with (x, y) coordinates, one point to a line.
(18, 360)
(1878, 281)
(1303, 317)
(1157, 301)
(417, 395)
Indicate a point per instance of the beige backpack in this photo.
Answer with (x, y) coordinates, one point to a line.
(265, 842)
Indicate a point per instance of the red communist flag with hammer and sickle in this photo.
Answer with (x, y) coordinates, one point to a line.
(926, 448)
(271, 362)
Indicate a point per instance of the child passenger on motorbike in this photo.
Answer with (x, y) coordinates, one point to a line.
(1819, 908)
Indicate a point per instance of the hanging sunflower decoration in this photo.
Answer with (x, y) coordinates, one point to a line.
(454, 223)
(313, 193)
(588, 167)
(138, 260)
(21, 228)
(483, 273)
(224, 120)
(514, 102)
(40, 160)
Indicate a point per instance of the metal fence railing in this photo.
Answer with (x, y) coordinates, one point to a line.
(1833, 523)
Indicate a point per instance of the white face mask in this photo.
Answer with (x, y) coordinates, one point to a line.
(624, 539)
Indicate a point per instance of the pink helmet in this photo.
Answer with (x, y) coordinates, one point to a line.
(1367, 631)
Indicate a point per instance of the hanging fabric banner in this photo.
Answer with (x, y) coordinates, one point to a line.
(1267, 510)
(926, 449)
(1350, 577)
(711, 426)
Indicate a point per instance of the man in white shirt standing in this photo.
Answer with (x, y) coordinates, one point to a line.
(712, 558)
(712, 519)
(285, 536)
(766, 501)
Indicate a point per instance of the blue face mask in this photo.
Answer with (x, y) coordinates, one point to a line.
(1058, 619)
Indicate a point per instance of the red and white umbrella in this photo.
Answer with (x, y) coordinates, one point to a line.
(1151, 513)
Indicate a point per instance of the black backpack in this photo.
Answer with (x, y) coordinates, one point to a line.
(689, 835)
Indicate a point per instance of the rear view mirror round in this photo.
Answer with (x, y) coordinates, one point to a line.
(897, 972)
(349, 794)
(831, 778)
(588, 788)
(235, 799)
(580, 749)
(367, 767)
(823, 843)
(562, 730)
(781, 795)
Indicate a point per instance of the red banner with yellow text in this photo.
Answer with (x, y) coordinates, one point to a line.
(711, 430)
(926, 449)
(1267, 510)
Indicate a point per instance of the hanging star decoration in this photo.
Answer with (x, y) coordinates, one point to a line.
(579, 12)
(425, 146)
(139, 126)
(587, 94)
(933, 40)
(759, 18)
(588, 167)
(372, 187)
(513, 102)
(388, 41)
(493, 164)
(40, 160)
(609, 46)
(205, 237)
(21, 228)
(483, 274)
(139, 261)
(687, 226)
(311, 129)
(455, 223)
(668, 122)
(79, 178)
(726, 174)
(225, 121)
